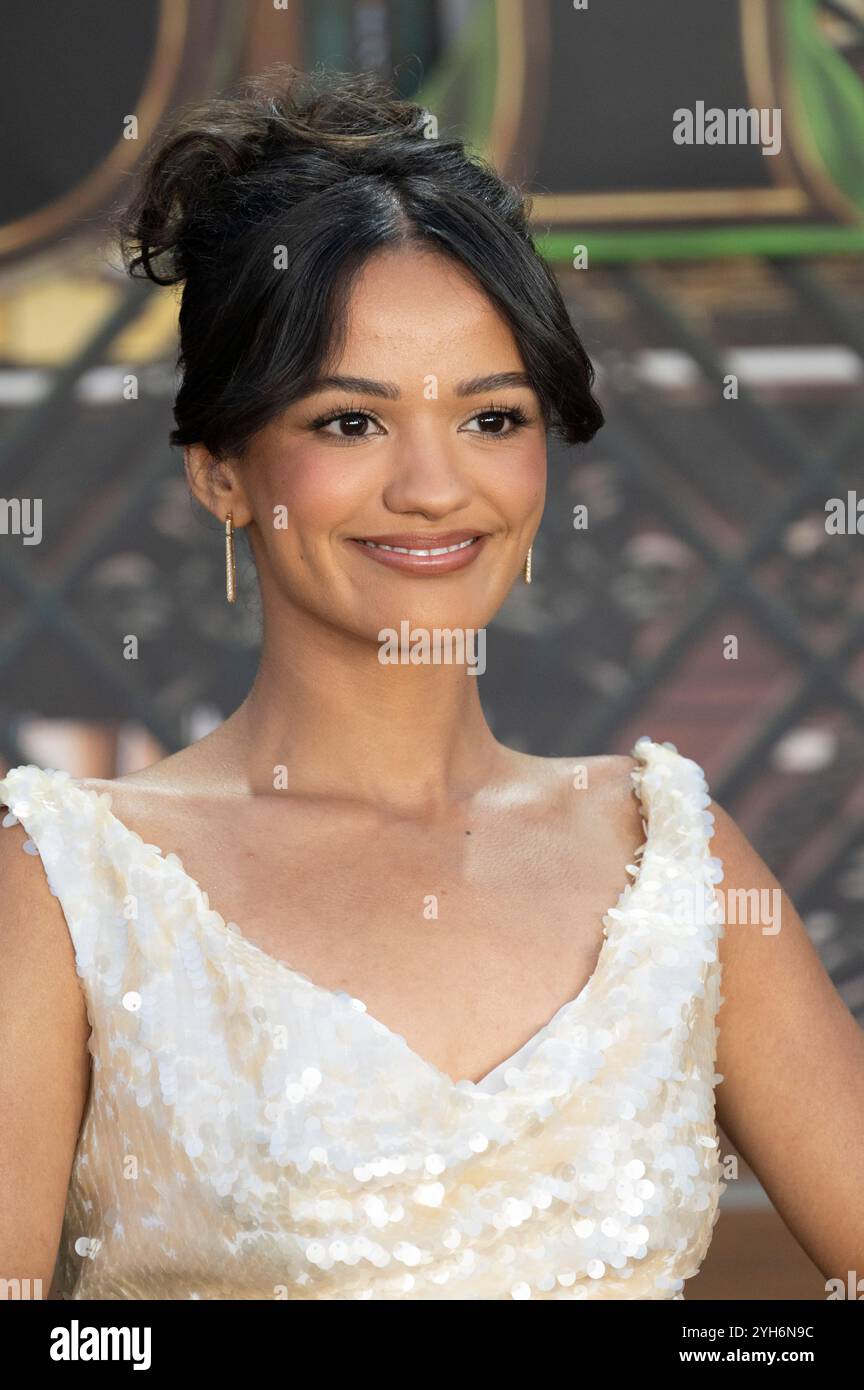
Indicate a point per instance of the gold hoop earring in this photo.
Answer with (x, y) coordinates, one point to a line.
(527, 568)
(230, 567)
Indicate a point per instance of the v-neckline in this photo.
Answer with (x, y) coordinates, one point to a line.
(228, 928)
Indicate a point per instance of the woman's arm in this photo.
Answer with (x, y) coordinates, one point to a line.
(792, 1058)
(44, 1068)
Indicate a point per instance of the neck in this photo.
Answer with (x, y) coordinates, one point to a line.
(412, 738)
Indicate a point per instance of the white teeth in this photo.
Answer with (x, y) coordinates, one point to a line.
(403, 550)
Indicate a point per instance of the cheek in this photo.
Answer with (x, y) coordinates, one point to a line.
(518, 481)
(316, 488)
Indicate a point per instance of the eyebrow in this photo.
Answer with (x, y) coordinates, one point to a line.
(474, 386)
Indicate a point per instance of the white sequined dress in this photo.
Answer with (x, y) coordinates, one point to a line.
(252, 1135)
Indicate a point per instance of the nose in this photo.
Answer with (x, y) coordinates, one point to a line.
(428, 478)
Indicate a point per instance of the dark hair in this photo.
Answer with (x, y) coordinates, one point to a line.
(331, 166)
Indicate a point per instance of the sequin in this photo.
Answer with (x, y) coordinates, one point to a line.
(249, 1134)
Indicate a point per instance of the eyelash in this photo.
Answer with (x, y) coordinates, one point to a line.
(514, 413)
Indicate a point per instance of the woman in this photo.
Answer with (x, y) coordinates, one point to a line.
(416, 1053)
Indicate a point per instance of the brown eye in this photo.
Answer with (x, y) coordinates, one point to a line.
(351, 425)
(492, 423)
(348, 424)
(498, 422)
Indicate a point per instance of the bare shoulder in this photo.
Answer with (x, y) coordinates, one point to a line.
(607, 783)
(791, 1057)
(22, 873)
(771, 970)
(191, 771)
(730, 843)
(607, 775)
(602, 769)
(37, 951)
(44, 1060)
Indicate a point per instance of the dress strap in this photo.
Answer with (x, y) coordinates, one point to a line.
(669, 919)
(673, 791)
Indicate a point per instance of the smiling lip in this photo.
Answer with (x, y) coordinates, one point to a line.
(423, 552)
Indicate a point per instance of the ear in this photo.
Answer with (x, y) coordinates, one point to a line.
(216, 485)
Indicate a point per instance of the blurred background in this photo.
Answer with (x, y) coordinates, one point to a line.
(715, 597)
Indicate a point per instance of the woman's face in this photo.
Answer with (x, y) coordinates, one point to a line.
(416, 445)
